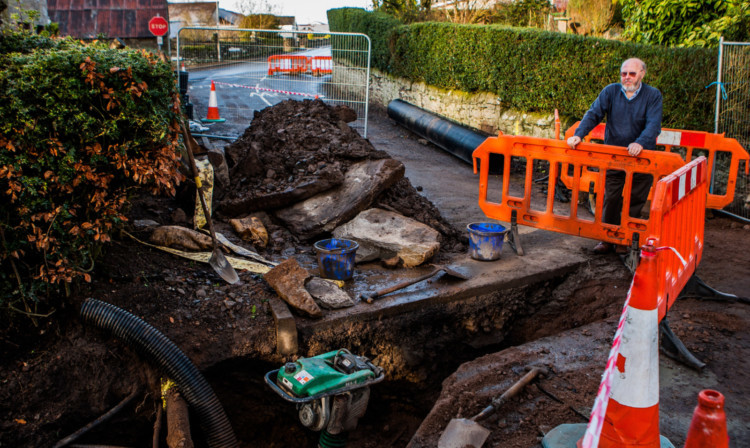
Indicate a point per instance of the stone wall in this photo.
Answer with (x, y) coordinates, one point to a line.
(483, 111)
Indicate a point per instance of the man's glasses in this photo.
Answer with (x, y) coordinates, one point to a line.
(632, 74)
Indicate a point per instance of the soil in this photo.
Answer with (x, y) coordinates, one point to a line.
(57, 375)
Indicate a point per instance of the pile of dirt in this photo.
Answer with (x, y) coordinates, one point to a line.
(297, 149)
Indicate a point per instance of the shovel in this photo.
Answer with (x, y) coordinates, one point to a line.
(218, 261)
(462, 432)
(453, 271)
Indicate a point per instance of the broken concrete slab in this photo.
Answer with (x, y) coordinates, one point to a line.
(382, 234)
(171, 236)
(288, 280)
(363, 182)
(328, 294)
(322, 180)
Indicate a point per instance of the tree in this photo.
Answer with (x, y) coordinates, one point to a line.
(404, 10)
(467, 11)
(259, 14)
(685, 22)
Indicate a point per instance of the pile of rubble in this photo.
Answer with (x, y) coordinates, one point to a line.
(301, 167)
(300, 174)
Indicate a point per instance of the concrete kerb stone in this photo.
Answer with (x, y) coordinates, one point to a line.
(286, 327)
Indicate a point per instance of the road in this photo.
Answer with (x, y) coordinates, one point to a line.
(245, 87)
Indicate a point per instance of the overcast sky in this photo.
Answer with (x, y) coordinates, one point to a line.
(306, 11)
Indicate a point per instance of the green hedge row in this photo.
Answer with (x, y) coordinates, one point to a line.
(378, 26)
(539, 71)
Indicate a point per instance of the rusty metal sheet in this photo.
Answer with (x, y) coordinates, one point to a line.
(112, 18)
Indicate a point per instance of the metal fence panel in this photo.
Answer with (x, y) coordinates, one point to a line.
(253, 69)
(733, 112)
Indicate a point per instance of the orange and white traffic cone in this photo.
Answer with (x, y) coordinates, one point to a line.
(632, 417)
(709, 424)
(213, 108)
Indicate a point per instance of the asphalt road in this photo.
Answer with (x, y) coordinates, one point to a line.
(245, 87)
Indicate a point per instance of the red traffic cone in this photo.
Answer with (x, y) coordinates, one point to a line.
(213, 108)
(709, 424)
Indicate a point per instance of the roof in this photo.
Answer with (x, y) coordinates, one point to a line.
(229, 16)
(286, 20)
(113, 18)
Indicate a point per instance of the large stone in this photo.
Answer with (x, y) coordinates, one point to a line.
(180, 237)
(325, 179)
(324, 212)
(221, 170)
(250, 228)
(328, 294)
(288, 280)
(383, 234)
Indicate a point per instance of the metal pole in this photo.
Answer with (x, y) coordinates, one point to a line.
(367, 83)
(718, 86)
(218, 36)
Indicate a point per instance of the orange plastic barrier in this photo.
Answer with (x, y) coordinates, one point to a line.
(287, 64)
(321, 65)
(500, 203)
(626, 410)
(677, 217)
(693, 142)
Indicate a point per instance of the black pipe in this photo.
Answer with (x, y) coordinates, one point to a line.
(444, 133)
(156, 348)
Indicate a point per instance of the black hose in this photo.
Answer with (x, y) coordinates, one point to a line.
(453, 137)
(156, 348)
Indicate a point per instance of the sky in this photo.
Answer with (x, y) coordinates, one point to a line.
(306, 11)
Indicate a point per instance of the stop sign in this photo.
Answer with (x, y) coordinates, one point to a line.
(158, 26)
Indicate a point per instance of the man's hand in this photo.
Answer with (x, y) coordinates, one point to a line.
(574, 141)
(634, 148)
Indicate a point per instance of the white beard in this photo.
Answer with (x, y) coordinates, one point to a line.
(632, 88)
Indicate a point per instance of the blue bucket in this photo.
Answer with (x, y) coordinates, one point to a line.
(486, 240)
(336, 258)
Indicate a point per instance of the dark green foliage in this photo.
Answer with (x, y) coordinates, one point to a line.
(82, 127)
(686, 23)
(522, 13)
(533, 70)
(378, 26)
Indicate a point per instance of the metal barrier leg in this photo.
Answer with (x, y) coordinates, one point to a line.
(698, 289)
(673, 347)
(633, 256)
(514, 240)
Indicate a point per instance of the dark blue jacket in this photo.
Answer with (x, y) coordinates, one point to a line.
(638, 120)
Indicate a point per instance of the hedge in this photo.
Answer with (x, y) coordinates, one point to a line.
(378, 26)
(83, 128)
(538, 71)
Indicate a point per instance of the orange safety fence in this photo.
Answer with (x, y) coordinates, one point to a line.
(321, 65)
(317, 65)
(677, 216)
(499, 199)
(693, 144)
(287, 64)
(626, 410)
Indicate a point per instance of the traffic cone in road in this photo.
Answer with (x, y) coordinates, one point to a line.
(709, 424)
(213, 108)
(632, 417)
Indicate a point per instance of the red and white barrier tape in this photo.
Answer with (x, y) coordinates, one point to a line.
(269, 90)
(596, 421)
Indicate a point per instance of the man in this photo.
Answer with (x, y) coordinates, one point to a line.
(633, 111)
